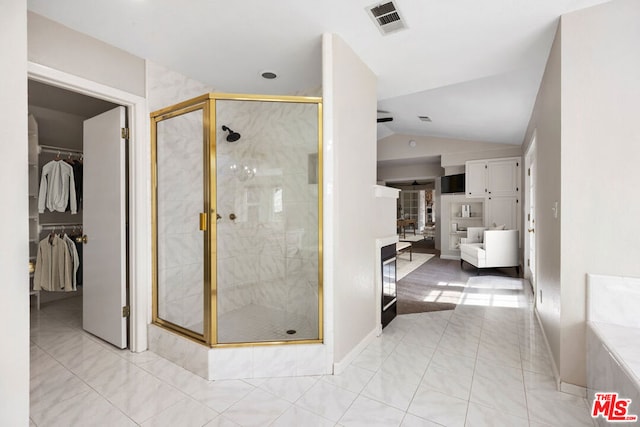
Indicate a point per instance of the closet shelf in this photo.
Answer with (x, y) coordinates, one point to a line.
(58, 150)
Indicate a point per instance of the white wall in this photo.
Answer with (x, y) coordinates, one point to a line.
(588, 146)
(64, 49)
(392, 173)
(14, 304)
(396, 147)
(385, 212)
(600, 154)
(545, 120)
(450, 160)
(350, 153)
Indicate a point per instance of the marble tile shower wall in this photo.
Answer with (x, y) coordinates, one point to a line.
(268, 256)
(180, 272)
(166, 87)
(180, 200)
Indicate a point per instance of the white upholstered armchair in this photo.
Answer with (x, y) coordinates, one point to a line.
(499, 248)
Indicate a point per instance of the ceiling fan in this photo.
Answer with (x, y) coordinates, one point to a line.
(384, 119)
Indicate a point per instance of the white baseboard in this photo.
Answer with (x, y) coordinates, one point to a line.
(576, 390)
(556, 373)
(339, 367)
(562, 386)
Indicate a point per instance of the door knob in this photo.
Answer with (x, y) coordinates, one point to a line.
(232, 216)
(82, 239)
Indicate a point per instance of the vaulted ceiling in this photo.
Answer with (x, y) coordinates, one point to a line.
(473, 67)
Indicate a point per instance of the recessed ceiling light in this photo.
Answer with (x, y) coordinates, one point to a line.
(269, 75)
(425, 118)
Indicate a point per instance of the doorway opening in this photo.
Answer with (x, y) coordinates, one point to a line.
(78, 211)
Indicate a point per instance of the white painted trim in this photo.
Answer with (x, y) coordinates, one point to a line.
(339, 367)
(556, 373)
(329, 218)
(573, 389)
(139, 190)
(384, 241)
(386, 192)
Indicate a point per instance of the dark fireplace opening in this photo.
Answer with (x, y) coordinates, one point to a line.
(389, 295)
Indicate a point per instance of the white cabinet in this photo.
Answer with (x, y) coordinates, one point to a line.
(503, 177)
(476, 178)
(493, 177)
(497, 181)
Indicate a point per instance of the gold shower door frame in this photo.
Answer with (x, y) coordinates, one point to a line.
(208, 223)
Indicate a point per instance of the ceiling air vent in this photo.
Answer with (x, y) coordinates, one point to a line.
(386, 17)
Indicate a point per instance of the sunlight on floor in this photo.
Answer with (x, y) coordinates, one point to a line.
(488, 300)
(450, 293)
(486, 291)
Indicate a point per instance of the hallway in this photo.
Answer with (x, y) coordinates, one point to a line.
(482, 364)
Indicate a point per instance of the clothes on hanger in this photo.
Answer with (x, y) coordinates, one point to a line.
(77, 175)
(57, 263)
(79, 251)
(75, 261)
(75, 237)
(57, 187)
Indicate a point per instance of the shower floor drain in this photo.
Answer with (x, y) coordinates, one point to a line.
(291, 331)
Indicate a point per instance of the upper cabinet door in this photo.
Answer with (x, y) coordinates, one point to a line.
(503, 177)
(475, 179)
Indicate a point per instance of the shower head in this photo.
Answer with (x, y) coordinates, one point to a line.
(233, 136)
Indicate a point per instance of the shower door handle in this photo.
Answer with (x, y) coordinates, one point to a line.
(203, 222)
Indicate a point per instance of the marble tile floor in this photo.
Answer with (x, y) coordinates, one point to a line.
(482, 364)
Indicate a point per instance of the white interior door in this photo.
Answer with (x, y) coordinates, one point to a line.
(104, 223)
(531, 226)
(530, 235)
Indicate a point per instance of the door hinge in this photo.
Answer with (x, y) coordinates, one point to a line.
(528, 217)
(528, 262)
(126, 311)
(529, 171)
(124, 133)
(517, 164)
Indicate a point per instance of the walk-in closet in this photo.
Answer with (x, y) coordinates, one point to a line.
(61, 204)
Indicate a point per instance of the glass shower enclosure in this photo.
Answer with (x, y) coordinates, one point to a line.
(237, 219)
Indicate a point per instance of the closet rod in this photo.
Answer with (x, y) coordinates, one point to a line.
(53, 226)
(54, 150)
